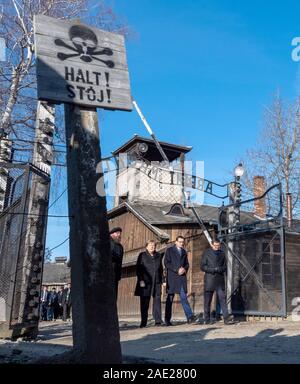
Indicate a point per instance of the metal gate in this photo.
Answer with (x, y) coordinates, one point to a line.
(255, 255)
(20, 267)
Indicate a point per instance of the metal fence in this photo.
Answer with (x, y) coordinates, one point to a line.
(254, 242)
(20, 275)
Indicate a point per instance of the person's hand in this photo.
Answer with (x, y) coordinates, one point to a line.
(181, 271)
(142, 284)
(218, 270)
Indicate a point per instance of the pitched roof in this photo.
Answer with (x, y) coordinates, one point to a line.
(158, 213)
(155, 214)
(172, 151)
(56, 273)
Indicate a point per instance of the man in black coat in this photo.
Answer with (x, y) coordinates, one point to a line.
(59, 301)
(117, 253)
(51, 305)
(213, 263)
(177, 265)
(149, 273)
(66, 302)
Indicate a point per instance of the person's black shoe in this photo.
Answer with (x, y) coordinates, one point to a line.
(229, 321)
(158, 324)
(191, 320)
(168, 323)
(208, 322)
(143, 325)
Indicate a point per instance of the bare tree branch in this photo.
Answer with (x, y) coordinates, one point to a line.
(277, 154)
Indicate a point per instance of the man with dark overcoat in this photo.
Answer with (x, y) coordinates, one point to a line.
(51, 305)
(213, 263)
(117, 253)
(66, 302)
(177, 265)
(149, 271)
(59, 301)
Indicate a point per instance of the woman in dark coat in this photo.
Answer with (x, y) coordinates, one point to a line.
(149, 273)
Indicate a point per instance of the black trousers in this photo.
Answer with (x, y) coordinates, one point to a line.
(56, 309)
(208, 295)
(156, 309)
(43, 311)
(66, 311)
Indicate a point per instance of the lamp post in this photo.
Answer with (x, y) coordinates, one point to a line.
(233, 221)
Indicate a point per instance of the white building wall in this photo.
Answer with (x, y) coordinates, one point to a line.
(139, 186)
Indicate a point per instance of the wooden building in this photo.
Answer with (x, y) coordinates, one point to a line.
(56, 274)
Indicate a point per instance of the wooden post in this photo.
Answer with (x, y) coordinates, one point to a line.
(95, 322)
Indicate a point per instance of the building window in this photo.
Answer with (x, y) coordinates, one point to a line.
(176, 210)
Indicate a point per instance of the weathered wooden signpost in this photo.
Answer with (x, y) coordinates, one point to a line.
(86, 69)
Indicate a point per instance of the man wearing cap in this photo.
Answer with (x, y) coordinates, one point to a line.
(117, 252)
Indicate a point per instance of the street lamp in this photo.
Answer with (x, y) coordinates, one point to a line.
(239, 171)
(235, 191)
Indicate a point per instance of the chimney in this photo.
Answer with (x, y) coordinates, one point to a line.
(258, 189)
(289, 210)
(60, 259)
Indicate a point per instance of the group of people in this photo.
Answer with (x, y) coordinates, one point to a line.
(149, 271)
(56, 305)
(150, 274)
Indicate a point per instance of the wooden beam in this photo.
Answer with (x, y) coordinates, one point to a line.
(95, 321)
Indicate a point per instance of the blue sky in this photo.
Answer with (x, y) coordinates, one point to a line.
(202, 72)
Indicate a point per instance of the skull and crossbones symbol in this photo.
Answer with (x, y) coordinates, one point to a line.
(84, 45)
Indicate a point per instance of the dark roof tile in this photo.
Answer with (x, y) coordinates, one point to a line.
(56, 273)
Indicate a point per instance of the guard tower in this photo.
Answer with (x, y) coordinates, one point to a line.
(134, 185)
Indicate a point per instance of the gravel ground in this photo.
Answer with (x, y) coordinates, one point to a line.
(245, 342)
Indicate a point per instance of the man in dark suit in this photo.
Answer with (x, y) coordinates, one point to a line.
(66, 302)
(213, 263)
(177, 265)
(149, 273)
(51, 307)
(117, 252)
(59, 302)
(44, 303)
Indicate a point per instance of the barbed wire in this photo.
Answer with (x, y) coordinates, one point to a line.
(32, 142)
(37, 214)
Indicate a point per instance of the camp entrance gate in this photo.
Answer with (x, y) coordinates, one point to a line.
(258, 256)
